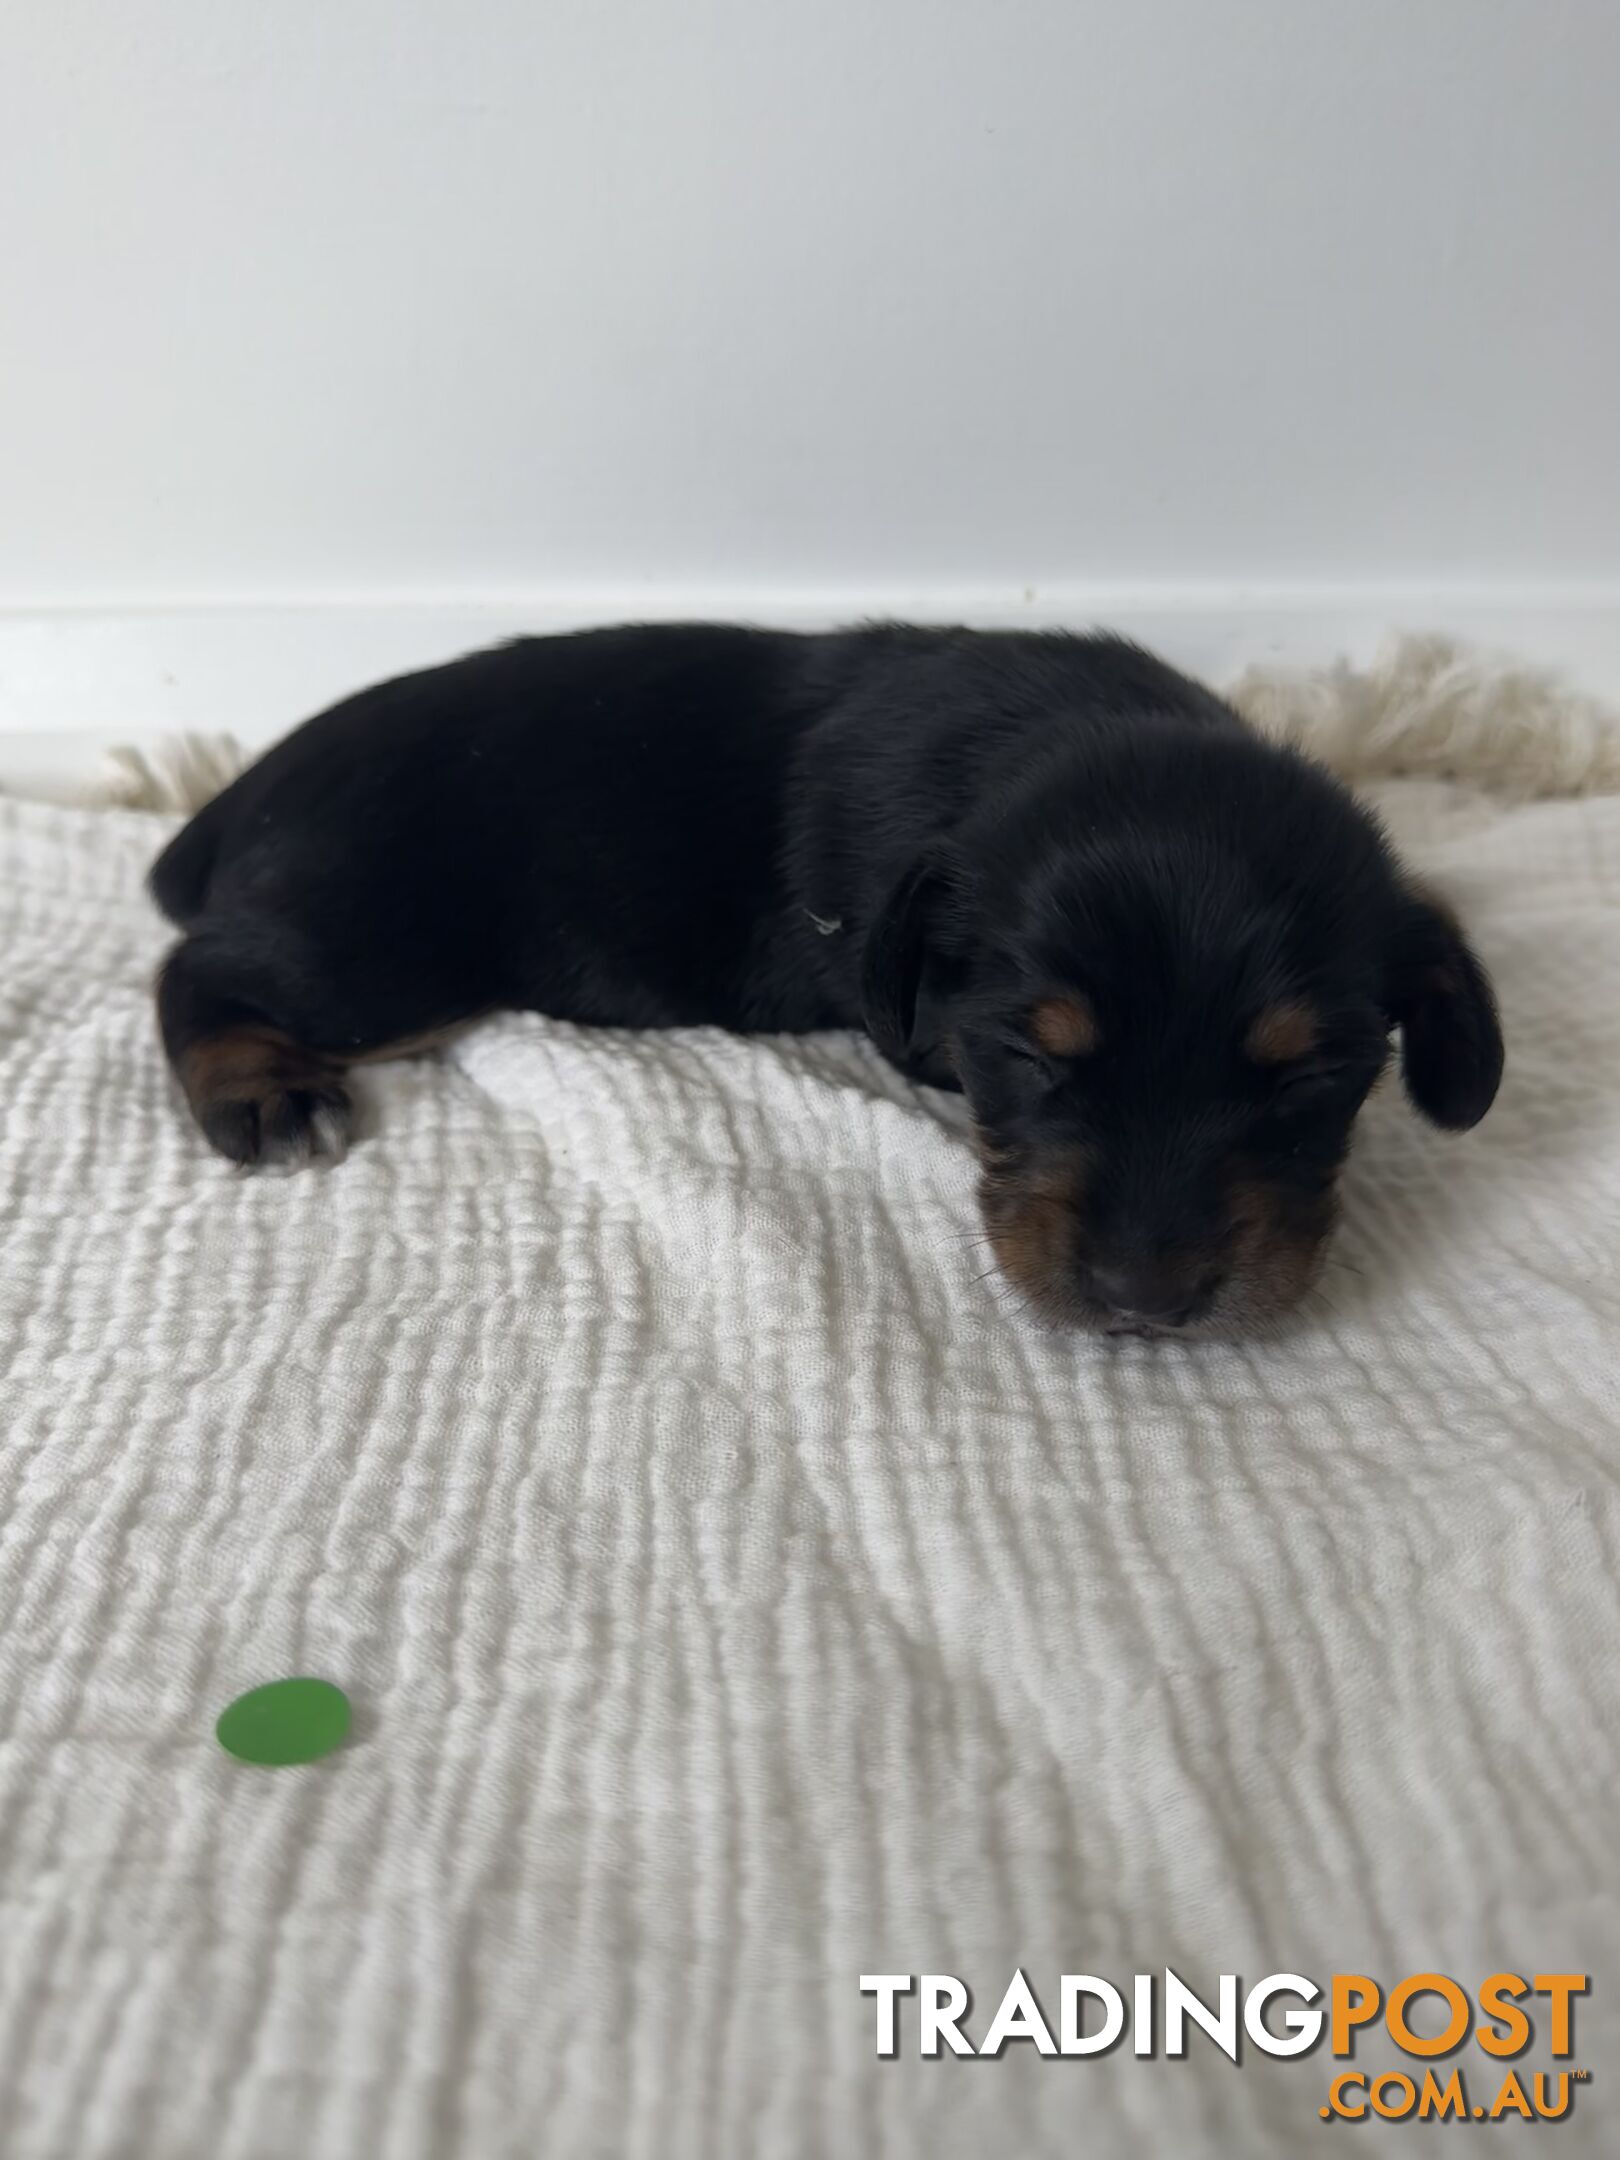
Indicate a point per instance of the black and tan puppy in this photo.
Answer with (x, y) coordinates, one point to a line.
(1162, 957)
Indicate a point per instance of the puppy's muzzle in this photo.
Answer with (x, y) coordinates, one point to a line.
(1265, 1256)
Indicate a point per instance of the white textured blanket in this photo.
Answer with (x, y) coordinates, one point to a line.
(737, 1599)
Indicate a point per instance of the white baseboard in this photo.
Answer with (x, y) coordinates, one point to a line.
(75, 682)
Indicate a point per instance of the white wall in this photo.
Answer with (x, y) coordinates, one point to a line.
(513, 298)
(340, 335)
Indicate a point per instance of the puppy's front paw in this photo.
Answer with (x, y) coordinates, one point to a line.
(264, 1100)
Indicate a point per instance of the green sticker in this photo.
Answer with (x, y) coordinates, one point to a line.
(285, 1721)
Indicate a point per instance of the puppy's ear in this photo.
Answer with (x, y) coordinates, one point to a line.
(1440, 998)
(919, 921)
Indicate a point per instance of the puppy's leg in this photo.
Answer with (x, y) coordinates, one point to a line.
(258, 1093)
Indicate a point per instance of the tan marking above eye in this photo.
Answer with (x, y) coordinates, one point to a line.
(1282, 1033)
(1065, 1026)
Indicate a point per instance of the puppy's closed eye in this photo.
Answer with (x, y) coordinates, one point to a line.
(1023, 1051)
(1295, 1085)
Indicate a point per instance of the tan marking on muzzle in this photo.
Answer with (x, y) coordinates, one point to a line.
(1279, 1242)
(1030, 1218)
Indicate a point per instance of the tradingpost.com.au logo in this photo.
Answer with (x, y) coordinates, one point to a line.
(1505, 2016)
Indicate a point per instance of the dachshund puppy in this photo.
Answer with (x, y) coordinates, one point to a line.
(1162, 957)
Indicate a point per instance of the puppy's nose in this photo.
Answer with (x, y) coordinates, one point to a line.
(1148, 1295)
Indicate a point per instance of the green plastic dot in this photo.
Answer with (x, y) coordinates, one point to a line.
(285, 1721)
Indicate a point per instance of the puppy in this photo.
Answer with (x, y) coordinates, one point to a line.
(1162, 957)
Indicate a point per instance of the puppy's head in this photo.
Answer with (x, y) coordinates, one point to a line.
(1167, 981)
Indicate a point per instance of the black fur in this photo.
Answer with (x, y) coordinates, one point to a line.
(925, 832)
